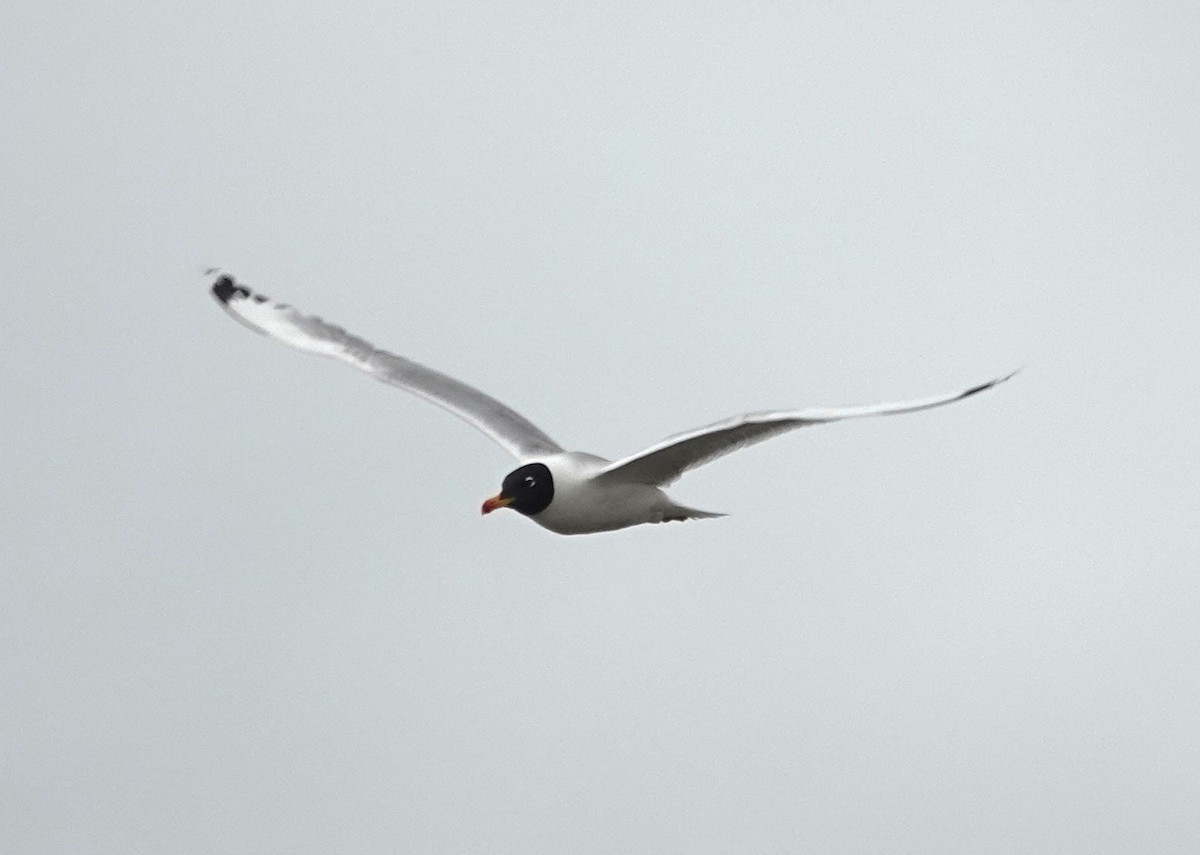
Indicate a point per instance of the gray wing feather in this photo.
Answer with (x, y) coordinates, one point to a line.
(281, 322)
(665, 462)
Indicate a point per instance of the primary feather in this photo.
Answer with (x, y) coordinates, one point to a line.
(279, 321)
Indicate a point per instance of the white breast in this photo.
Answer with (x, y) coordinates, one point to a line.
(582, 506)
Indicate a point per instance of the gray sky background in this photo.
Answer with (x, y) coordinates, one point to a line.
(248, 604)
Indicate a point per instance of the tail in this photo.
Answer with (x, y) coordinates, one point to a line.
(678, 513)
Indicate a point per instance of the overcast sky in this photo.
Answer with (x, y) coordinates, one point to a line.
(247, 600)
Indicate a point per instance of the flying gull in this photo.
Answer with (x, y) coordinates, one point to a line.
(568, 492)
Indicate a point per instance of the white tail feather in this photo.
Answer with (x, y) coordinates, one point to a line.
(678, 513)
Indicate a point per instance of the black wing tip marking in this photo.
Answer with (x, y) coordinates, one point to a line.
(983, 387)
(226, 289)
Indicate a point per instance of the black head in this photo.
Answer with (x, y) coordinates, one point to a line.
(528, 489)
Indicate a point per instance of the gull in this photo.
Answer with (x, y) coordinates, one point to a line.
(567, 492)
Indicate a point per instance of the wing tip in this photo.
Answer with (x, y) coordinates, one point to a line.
(983, 387)
(226, 289)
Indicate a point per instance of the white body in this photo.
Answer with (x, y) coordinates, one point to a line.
(582, 505)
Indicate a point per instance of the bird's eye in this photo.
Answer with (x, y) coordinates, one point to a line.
(530, 480)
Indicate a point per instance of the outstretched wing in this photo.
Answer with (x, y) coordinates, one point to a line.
(663, 463)
(311, 334)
